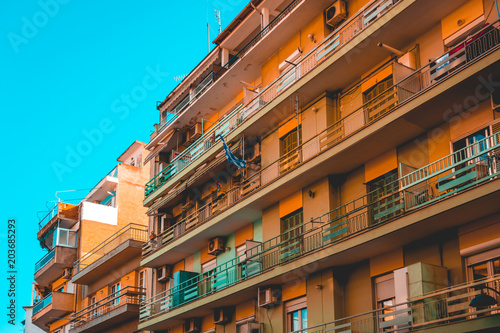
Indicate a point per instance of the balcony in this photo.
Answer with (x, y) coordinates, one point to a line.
(227, 125)
(108, 312)
(63, 254)
(122, 247)
(55, 305)
(65, 214)
(260, 47)
(469, 168)
(310, 67)
(410, 87)
(445, 310)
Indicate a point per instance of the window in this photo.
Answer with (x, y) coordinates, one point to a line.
(378, 100)
(288, 150)
(207, 271)
(93, 313)
(383, 197)
(296, 314)
(291, 229)
(141, 283)
(60, 289)
(475, 146)
(115, 289)
(484, 264)
(385, 295)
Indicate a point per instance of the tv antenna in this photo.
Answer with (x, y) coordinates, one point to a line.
(217, 18)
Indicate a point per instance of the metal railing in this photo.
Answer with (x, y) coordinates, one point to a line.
(45, 260)
(127, 295)
(40, 305)
(388, 101)
(131, 231)
(330, 45)
(189, 99)
(49, 216)
(336, 225)
(440, 307)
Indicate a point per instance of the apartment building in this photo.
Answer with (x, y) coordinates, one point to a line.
(91, 279)
(369, 199)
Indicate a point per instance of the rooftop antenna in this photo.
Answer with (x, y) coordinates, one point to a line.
(179, 77)
(59, 199)
(217, 18)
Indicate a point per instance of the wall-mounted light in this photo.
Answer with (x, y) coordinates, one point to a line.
(311, 37)
(319, 286)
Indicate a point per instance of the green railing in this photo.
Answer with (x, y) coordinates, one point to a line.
(329, 46)
(337, 225)
(131, 231)
(482, 43)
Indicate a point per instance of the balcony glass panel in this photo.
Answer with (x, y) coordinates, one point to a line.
(42, 303)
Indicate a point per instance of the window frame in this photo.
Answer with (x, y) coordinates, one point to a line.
(296, 305)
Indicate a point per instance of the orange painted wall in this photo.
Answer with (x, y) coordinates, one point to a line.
(386, 262)
(244, 234)
(245, 309)
(290, 203)
(293, 289)
(270, 70)
(178, 266)
(468, 12)
(479, 232)
(381, 164)
(130, 193)
(470, 121)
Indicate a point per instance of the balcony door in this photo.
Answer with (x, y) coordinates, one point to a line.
(291, 235)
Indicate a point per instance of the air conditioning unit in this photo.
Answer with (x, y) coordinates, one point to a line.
(336, 13)
(195, 132)
(66, 273)
(256, 154)
(192, 325)
(251, 327)
(222, 315)
(216, 246)
(269, 297)
(164, 273)
(495, 100)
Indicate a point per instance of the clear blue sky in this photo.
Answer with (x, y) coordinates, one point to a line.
(69, 68)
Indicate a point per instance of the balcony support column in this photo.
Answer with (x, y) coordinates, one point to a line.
(325, 298)
(264, 18)
(224, 55)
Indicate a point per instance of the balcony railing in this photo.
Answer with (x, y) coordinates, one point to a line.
(45, 260)
(330, 45)
(41, 304)
(129, 232)
(440, 307)
(127, 295)
(482, 43)
(209, 79)
(49, 216)
(473, 165)
(189, 99)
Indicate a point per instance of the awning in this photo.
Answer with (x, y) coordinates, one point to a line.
(159, 147)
